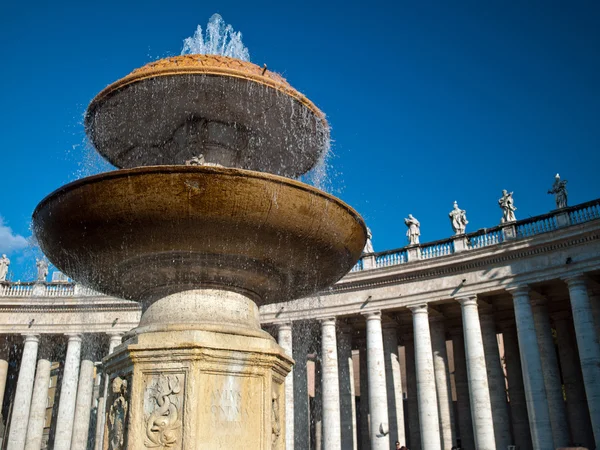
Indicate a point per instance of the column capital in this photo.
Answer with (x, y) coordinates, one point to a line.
(468, 300)
(519, 291)
(31, 338)
(419, 309)
(74, 337)
(372, 315)
(576, 281)
(328, 321)
(284, 326)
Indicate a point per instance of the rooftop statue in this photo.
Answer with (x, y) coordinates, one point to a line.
(42, 269)
(414, 229)
(559, 189)
(4, 263)
(458, 219)
(369, 244)
(508, 207)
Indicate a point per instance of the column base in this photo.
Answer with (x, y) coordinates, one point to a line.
(195, 386)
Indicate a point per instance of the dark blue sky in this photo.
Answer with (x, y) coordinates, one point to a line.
(429, 102)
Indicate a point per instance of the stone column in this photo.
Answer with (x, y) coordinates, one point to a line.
(412, 403)
(284, 338)
(442, 381)
(83, 404)
(365, 442)
(115, 340)
(589, 348)
(394, 384)
(479, 391)
(68, 394)
(577, 409)
(22, 400)
(4, 357)
(330, 386)
(552, 381)
(533, 378)
(380, 439)
(595, 301)
(426, 391)
(496, 381)
(461, 379)
(301, 342)
(346, 386)
(516, 389)
(39, 400)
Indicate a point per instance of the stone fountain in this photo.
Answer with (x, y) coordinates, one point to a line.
(201, 245)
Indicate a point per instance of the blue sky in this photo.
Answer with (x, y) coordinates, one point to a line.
(429, 102)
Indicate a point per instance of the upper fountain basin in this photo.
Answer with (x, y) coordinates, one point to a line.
(233, 112)
(148, 232)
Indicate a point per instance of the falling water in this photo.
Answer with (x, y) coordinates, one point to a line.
(220, 39)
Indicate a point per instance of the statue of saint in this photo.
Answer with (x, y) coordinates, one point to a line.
(369, 244)
(559, 189)
(508, 207)
(4, 263)
(458, 219)
(414, 229)
(42, 270)
(117, 414)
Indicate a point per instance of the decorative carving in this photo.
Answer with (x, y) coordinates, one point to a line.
(508, 207)
(275, 425)
(414, 229)
(163, 425)
(117, 414)
(559, 189)
(458, 219)
(369, 244)
(4, 263)
(42, 269)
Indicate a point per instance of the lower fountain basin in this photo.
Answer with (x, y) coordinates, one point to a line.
(148, 232)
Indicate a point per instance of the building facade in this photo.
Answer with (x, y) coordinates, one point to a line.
(487, 340)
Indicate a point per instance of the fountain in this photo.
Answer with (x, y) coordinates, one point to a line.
(201, 245)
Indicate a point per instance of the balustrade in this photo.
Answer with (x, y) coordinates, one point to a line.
(437, 249)
(391, 258)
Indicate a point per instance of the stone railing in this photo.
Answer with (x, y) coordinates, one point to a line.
(485, 237)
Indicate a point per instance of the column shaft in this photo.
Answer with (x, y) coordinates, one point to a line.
(83, 405)
(4, 357)
(365, 439)
(68, 395)
(495, 381)
(22, 400)
(516, 389)
(394, 385)
(346, 386)
(552, 381)
(465, 423)
(330, 387)
(426, 391)
(442, 382)
(39, 399)
(589, 348)
(533, 378)
(380, 439)
(577, 409)
(412, 403)
(479, 393)
(300, 346)
(284, 337)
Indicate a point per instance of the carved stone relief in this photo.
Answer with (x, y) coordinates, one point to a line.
(118, 414)
(275, 421)
(163, 401)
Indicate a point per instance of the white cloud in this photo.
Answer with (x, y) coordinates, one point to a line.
(9, 241)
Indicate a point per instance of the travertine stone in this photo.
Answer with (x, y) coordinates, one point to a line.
(330, 386)
(552, 379)
(197, 387)
(4, 356)
(481, 409)
(39, 399)
(496, 381)
(365, 439)
(516, 389)
(20, 416)
(115, 339)
(85, 390)
(533, 378)
(301, 344)
(414, 429)
(346, 386)
(426, 391)
(577, 409)
(394, 384)
(589, 348)
(465, 422)
(442, 381)
(68, 394)
(379, 431)
(284, 338)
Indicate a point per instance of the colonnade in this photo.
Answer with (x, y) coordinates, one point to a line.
(531, 380)
(77, 406)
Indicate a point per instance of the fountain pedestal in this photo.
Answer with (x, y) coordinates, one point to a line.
(197, 383)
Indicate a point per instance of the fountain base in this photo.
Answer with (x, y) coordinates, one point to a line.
(198, 373)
